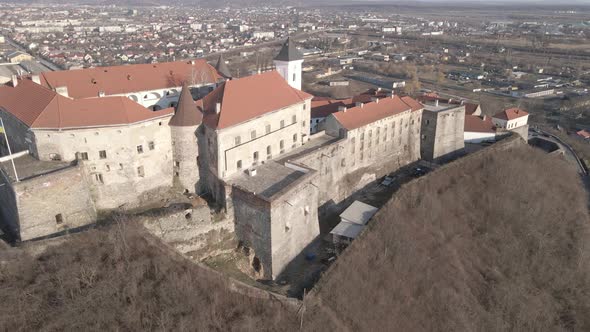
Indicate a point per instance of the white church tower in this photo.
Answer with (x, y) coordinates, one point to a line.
(288, 63)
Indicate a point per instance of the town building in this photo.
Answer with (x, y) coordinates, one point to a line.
(488, 129)
(18, 57)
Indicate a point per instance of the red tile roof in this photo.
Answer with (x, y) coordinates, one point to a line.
(584, 133)
(87, 83)
(511, 114)
(474, 123)
(247, 98)
(414, 104)
(357, 117)
(322, 107)
(39, 107)
(470, 108)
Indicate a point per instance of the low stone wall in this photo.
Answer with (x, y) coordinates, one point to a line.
(193, 232)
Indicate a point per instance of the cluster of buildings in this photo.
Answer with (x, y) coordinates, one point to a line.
(88, 142)
(479, 128)
(77, 37)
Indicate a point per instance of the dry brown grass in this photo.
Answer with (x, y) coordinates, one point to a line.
(107, 280)
(493, 243)
(497, 243)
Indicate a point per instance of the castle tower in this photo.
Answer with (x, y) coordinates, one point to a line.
(185, 150)
(222, 68)
(288, 63)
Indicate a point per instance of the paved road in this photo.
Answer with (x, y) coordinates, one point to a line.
(569, 151)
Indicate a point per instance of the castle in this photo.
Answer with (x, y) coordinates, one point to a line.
(96, 140)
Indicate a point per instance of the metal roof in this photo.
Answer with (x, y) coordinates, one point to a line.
(289, 52)
(358, 213)
(346, 229)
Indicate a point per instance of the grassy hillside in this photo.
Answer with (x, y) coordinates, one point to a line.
(107, 280)
(494, 243)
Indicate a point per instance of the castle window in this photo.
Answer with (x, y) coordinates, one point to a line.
(108, 168)
(98, 178)
(282, 145)
(83, 155)
(282, 123)
(102, 154)
(238, 140)
(120, 166)
(294, 77)
(177, 163)
(304, 106)
(239, 164)
(59, 219)
(140, 149)
(294, 118)
(255, 157)
(151, 145)
(253, 134)
(294, 138)
(267, 128)
(140, 172)
(268, 152)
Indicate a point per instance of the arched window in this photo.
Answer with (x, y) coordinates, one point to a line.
(268, 152)
(239, 164)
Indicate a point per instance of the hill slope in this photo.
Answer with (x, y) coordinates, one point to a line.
(492, 242)
(496, 242)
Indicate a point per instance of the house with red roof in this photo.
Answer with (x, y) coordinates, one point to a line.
(487, 129)
(510, 119)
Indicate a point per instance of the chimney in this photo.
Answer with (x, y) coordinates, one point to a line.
(129, 77)
(252, 172)
(485, 117)
(375, 100)
(14, 80)
(390, 94)
(341, 108)
(36, 79)
(101, 93)
(192, 62)
(359, 104)
(62, 90)
(217, 108)
(436, 102)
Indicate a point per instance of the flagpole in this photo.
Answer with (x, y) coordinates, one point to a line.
(9, 151)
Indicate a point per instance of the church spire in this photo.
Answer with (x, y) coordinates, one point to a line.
(289, 52)
(222, 68)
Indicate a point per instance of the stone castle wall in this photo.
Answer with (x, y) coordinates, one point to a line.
(51, 203)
